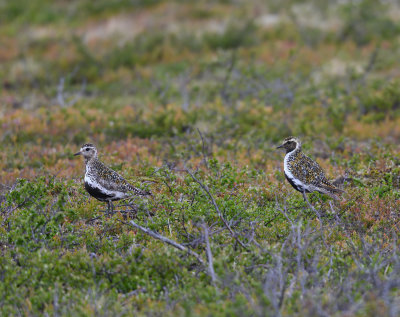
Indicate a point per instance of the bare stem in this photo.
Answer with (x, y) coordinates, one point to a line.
(205, 188)
(209, 254)
(166, 240)
(311, 206)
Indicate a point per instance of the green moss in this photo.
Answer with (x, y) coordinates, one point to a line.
(213, 88)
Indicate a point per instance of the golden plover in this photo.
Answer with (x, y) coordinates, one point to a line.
(304, 174)
(102, 182)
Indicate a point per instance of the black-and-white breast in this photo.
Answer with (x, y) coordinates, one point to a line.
(303, 173)
(98, 192)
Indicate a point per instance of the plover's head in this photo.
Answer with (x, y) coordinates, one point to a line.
(88, 151)
(290, 144)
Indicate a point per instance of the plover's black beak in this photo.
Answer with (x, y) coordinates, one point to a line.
(79, 153)
(280, 146)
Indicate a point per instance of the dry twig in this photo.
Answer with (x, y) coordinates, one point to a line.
(209, 254)
(165, 240)
(205, 188)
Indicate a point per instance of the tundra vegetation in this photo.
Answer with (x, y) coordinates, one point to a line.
(189, 99)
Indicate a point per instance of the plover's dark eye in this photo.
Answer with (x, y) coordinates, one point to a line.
(87, 149)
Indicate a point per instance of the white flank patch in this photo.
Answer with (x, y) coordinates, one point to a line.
(289, 173)
(115, 194)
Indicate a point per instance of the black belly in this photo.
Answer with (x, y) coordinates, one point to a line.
(296, 187)
(98, 194)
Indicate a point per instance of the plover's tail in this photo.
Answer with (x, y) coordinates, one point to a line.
(141, 192)
(331, 191)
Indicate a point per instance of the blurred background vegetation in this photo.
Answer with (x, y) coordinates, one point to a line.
(215, 84)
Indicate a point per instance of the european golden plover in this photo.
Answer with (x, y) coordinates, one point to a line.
(304, 174)
(102, 182)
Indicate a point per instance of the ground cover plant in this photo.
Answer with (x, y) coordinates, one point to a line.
(190, 100)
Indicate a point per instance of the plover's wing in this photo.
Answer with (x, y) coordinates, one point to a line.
(308, 171)
(318, 177)
(330, 187)
(111, 180)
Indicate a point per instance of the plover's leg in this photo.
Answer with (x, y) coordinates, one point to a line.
(110, 207)
(130, 209)
(309, 205)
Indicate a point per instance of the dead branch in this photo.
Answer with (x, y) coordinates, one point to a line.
(61, 94)
(165, 240)
(209, 254)
(205, 188)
